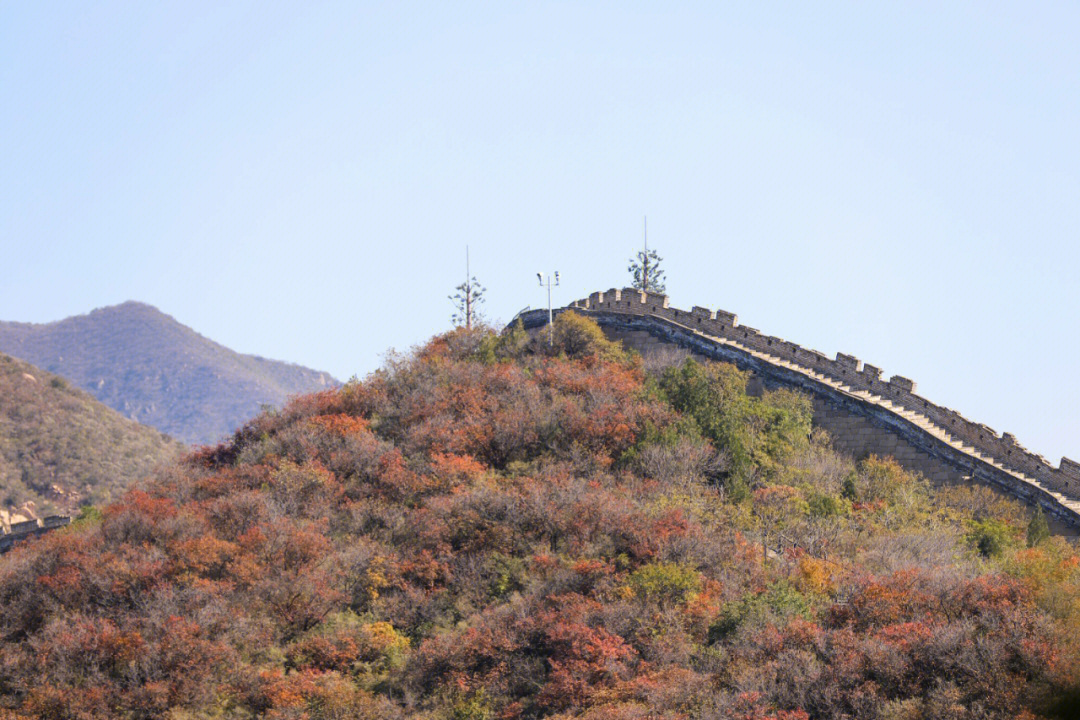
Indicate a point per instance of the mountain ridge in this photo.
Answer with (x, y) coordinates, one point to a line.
(153, 369)
(59, 447)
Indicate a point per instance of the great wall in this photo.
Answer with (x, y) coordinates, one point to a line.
(19, 531)
(862, 412)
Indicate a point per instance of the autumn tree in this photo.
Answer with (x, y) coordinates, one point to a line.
(486, 529)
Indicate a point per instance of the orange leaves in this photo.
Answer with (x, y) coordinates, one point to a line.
(449, 470)
(151, 508)
(314, 694)
(65, 581)
(344, 642)
(340, 424)
(205, 556)
(906, 635)
(489, 513)
(323, 403)
(816, 575)
(583, 657)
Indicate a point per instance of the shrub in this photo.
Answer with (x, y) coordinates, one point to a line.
(1038, 529)
(752, 431)
(665, 582)
(577, 337)
(990, 537)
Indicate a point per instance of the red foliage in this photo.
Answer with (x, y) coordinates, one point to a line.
(486, 513)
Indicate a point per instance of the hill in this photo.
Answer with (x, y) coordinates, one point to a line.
(60, 447)
(146, 365)
(492, 529)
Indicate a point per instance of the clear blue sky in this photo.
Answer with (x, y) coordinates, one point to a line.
(299, 180)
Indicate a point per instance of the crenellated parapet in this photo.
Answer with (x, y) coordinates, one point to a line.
(976, 449)
(19, 531)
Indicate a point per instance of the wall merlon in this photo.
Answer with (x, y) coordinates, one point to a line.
(848, 361)
(790, 349)
(658, 300)
(726, 318)
(704, 313)
(903, 383)
(747, 332)
(1070, 468)
(871, 372)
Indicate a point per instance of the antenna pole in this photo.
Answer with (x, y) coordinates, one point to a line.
(645, 261)
(551, 328)
(468, 292)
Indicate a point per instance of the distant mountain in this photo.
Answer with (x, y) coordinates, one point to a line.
(60, 447)
(146, 365)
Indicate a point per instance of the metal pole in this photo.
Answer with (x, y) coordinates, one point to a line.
(551, 328)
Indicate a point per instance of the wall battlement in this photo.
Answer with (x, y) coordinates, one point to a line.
(20, 531)
(972, 447)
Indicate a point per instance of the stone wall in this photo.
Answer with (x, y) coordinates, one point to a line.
(17, 532)
(863, 409)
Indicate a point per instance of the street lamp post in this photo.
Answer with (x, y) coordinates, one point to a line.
(541, 277)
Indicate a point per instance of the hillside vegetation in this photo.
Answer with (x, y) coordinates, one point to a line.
(144, 364)
(60, 447)
(488, 529)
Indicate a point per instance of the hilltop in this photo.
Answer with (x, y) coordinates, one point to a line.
(489, 528)
(60, 447)
(151, 368)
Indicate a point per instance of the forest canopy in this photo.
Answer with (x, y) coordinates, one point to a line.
(492, 527)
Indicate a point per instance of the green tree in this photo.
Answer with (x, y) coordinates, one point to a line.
(645, 269)
(848, 490)
(990, 536)
(1038, 529)
(753, 431)
(469, 295)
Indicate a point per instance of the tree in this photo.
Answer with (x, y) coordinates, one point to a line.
(645, 267)
(466, 300)
(1038, 529)
(469, 295)
(849, 490)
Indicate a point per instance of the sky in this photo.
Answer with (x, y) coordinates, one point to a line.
(897, 181)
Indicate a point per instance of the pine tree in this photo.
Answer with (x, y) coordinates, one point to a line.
(848, 489)
(645, 268)
(469, 295)
(1038, 529)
